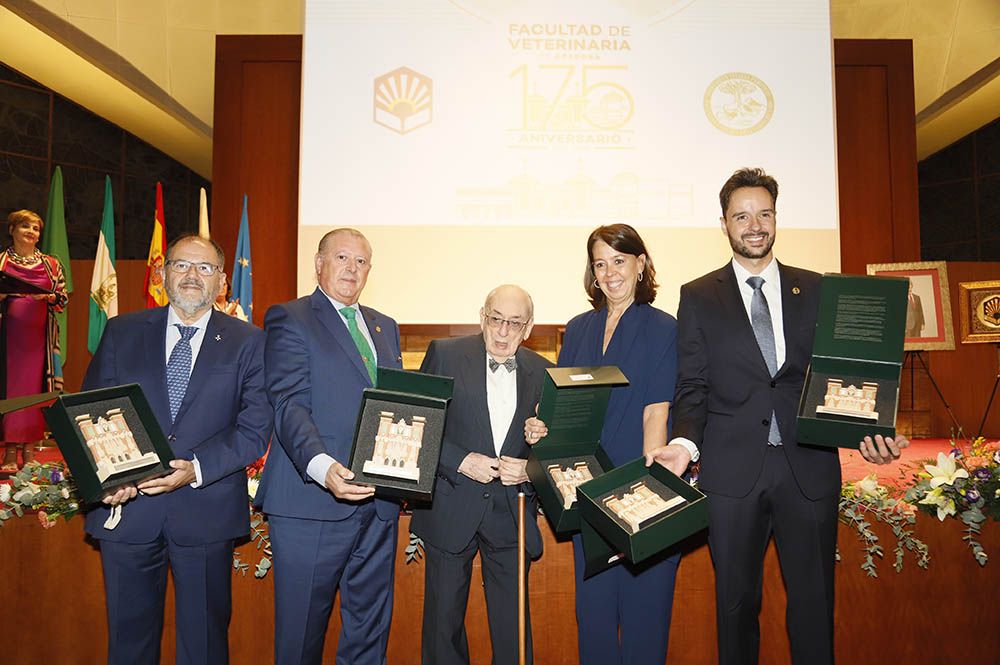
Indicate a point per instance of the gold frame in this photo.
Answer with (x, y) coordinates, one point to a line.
(942, 295)
(965, 313)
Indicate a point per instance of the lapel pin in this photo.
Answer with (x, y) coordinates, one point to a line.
(378, 329)
(796, 291)
(218, 338)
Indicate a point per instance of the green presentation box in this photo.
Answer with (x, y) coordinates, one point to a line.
(641, 511)
(851, 388)
(109, 438)
(572, 406)
(397, 439)
(598, 553)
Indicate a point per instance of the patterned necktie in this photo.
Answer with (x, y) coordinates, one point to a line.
(179, 369)
(359, 341)
(760, 318)
(510, 364)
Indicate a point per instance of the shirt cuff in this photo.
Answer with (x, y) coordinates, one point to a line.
(197, 472)
(318, 467)
(689, 445)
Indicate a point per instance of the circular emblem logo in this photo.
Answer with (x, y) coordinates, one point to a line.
(738, 103)
(988, 312)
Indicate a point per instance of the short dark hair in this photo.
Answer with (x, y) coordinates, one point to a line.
(747, 177)
(18, 216)
(622, 238)
(221, 256)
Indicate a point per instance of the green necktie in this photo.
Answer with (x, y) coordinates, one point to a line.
(364, 349)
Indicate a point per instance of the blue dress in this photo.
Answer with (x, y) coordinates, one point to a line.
(637, 600)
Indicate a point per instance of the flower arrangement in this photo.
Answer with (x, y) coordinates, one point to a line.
(866, 499)
(47, 489)
(963, 484)
(258, 526)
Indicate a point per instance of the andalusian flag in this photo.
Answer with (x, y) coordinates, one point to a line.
(242, 268)
(203, 216)
(156, 294)
(104, 283)
(55, 243)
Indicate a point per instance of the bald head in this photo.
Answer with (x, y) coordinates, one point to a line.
(506, 320)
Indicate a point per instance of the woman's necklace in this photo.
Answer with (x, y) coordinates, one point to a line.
(26, 261)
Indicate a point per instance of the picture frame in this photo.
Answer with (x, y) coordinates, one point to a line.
(109, 438)
(979, 311)
(929, 319)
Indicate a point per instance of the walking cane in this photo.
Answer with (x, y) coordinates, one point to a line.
(521, 582)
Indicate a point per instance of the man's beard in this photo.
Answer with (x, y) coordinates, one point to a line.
(746, 251)
(189, 305)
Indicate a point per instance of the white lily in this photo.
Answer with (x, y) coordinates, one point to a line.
(868, 486)
(252, 484)
(945, 472)
(945, 505)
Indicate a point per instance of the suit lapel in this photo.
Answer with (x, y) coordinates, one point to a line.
(387, 356)
(515, 433)
(207, 357)
(334, 324)
(731, 300)
(791, 311)
(155, 341)
(475, 372)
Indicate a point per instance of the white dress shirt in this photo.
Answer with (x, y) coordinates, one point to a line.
(174, 336)
(772, 292)
(501, 399)
(320, 465)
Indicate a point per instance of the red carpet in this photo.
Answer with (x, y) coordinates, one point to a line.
(855, 467)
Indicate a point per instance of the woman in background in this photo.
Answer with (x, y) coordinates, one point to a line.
(29, 334)
(623, 613)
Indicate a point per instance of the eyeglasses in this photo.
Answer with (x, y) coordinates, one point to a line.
(204, 269)
(513, 326)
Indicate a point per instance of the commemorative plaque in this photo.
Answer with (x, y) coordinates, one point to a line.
(641, 511)
(572, 406)
(851, 388)
(109, 438)
(397, 440)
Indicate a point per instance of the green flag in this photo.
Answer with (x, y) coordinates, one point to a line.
(104, 283)
(54, 243)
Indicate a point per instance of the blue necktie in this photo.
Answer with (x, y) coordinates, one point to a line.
(179, 369)
(760, 318)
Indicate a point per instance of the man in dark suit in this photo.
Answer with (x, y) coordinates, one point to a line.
(203, 374)
(914, 313)
(745, 340)
(482, 468)
(326, 532)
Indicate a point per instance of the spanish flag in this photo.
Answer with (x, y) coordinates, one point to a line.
(156, 294)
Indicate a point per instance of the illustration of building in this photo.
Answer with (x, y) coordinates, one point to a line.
(639, 505)
(567, 479)
(850, 400)
(397, 446)
(112, 445)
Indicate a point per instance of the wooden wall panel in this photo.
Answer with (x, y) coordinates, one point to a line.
(256, 152)
(876, 153)
(965, 375)
(54, 583)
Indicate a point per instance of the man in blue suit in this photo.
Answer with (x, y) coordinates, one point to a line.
(203, 374)
(327, 533)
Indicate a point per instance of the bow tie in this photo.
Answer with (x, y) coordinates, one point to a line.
(510, 364)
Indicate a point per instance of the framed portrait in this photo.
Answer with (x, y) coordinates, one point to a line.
(928, 308)
(109, 438)
(979, 311)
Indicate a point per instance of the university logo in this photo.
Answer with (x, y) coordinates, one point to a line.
(403, 100)
(738, 103)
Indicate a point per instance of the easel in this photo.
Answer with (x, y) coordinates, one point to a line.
(910, 355)
(986, 413)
